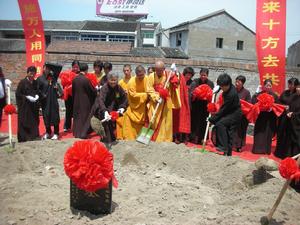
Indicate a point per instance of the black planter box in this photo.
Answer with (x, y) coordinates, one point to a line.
(98, 202)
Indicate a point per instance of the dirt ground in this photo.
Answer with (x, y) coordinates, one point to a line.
(159, 184)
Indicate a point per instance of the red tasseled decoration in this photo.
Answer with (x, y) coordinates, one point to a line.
(89, 165)
(288, 167)
(114, 115)
(211, 107)
(163, 93)
(174, 81)
(10, 109)
(67, 77)
(93, 79)
(265, 101)
(202, 92)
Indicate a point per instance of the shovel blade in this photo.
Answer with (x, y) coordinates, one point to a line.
(145, 135)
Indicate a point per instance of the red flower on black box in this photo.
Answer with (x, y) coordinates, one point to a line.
(114, 115)
(211, 107)
(10, 109)
(89, 165)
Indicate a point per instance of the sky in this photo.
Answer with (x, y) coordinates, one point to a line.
(167, 12)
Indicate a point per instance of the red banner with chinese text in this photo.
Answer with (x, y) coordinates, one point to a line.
(270, 41)
(34, 33)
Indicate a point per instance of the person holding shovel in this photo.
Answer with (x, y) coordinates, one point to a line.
(135, 115)
(228, 117)
(168, 99)
(112, 98)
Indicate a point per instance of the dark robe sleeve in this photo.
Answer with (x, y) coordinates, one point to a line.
(101, 101)
(248, 96)
(230, 105)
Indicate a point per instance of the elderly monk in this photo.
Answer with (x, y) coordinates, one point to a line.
(169, 99)
(135, 115)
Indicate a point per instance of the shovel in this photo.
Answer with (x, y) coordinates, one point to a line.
(207, 125)
(146, 132)
(265, 220)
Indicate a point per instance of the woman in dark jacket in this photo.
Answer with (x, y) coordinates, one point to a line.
(265, 125)
(284, 124)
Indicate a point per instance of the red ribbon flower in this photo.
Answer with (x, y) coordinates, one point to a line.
(289, 169)
(66, 78)
(174, 81)
(114, 115)
(163, 93)
(265, 102)
(202, 92)
(10, 109)
(211, 107)
(93, 79)
(89, 165)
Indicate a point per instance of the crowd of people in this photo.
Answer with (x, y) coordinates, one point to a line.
(161, 100)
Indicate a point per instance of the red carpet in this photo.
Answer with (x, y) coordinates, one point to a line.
(245, 154)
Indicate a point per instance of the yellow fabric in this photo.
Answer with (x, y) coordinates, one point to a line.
(134, 117)
(99, 76)
(164, 112)
(124, 84)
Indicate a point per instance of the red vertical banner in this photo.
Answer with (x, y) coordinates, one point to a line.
(34, 33)
(270, 41)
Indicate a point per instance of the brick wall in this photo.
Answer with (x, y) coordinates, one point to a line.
(14, 66)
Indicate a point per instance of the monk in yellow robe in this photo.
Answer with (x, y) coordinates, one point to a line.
(98, 66)
(135, 115)
(124, 84)
(162, 125)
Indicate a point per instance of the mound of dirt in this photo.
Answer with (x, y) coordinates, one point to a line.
(158, 184)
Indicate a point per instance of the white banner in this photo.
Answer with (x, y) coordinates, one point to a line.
(121, 7)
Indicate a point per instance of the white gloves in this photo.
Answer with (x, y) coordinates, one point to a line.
(216, 89)
(98, 87)
(159, 100)
(121, 110)
(32, 99)
(258, 89)
(7, 82)
(107, 116)
(173, 67)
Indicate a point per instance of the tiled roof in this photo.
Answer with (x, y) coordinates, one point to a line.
(174, 53)
(110, 26)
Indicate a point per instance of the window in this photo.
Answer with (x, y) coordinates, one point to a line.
(178, 39)
(148, 34)
(219, 43)
(240, 45)
(158, 40)
(121, 38)
(93, 37)
(65, 36)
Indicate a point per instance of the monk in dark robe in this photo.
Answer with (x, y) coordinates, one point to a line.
(49, 92)
(228, 117)
(284, 128)
(265, 125)
(239, 139)
(84, 95)
(182, 116)
(294, 116)
(70, 74)
(199, 111)
(28, 107)
(112, 98)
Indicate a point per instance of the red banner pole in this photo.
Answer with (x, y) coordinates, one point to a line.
(34, 33)
(270, 41)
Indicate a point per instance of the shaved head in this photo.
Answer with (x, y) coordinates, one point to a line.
(159, 67)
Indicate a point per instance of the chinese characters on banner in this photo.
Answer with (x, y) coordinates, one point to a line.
(270, 41)
(34, 33)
